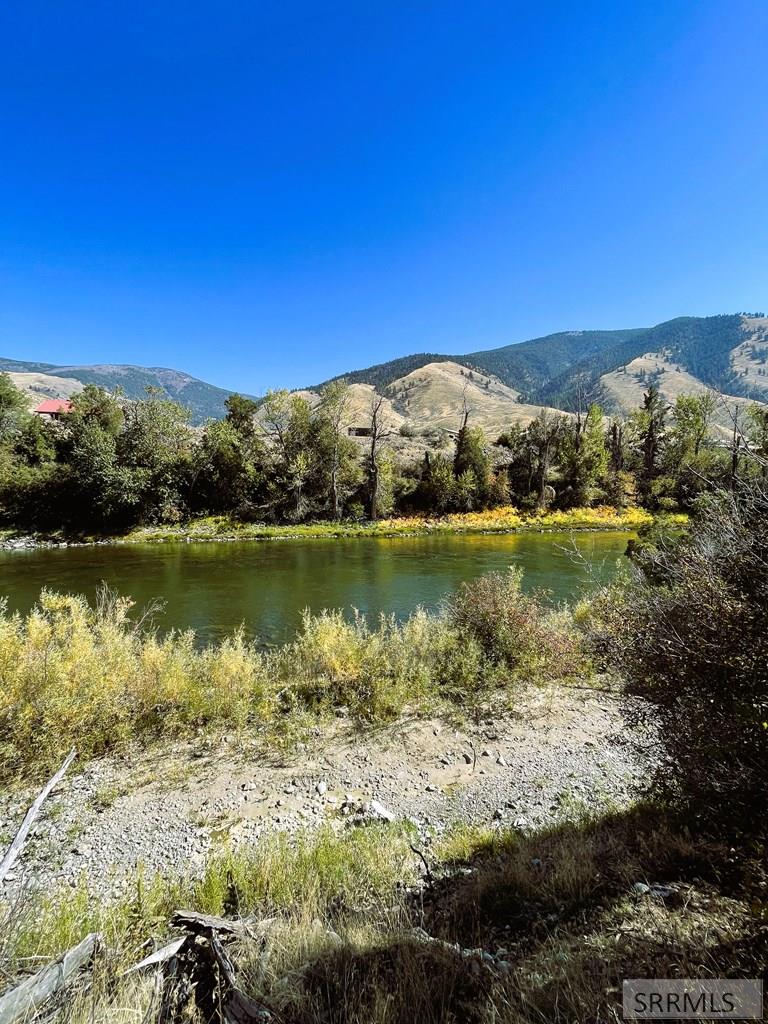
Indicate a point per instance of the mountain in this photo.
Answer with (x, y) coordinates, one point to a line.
(50, 381)
(728, 353)
(428, 391)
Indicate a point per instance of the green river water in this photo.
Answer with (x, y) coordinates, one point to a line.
(265, 585)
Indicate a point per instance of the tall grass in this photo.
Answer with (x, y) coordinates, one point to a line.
(337, 915)
(503, 519)
(87, 676)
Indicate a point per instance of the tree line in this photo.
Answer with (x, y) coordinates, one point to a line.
(112, 463)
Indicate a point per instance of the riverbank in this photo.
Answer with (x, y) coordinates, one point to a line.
(168, 807)
(506, 519)
(500, 873)
(90, 677)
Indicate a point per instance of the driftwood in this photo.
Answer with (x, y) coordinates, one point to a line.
(16, 846)
(158, 957)
(21, 1002)
(197, 968)
(200, 924)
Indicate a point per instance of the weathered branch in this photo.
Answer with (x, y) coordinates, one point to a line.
(29, 996)
(16, 846)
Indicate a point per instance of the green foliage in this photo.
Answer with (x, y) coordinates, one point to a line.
(515, 631)
(13, 410)
(472, 468)
(584, 458)
(688, 631)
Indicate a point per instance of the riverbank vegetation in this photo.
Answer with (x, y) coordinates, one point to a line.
(93, 678)
(502, 519)
(507, 927)
(284, 464)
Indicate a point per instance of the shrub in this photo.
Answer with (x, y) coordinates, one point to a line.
(91, 677)
(515, 630)
(688, 630)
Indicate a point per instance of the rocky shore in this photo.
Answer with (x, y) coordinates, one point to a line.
(165, 810)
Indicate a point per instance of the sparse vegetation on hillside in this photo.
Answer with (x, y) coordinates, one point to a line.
(556, 370)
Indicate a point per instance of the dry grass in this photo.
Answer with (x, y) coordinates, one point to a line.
(88, 677)
(558, 906)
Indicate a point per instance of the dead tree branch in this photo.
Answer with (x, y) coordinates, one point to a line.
(16, 846)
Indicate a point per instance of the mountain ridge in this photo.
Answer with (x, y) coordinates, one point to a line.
(727, 352)
(205, 401)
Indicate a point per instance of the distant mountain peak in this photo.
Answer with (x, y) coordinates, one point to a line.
(205, 401)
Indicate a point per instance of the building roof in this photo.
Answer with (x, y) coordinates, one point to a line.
(53, 405)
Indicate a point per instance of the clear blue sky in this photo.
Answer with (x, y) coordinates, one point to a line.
(269, 193)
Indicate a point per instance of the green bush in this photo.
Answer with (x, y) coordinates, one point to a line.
(515, 630)
(687, 628)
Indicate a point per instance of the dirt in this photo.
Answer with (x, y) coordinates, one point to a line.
(168, 807)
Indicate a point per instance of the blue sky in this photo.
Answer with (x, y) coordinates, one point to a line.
(267, 193)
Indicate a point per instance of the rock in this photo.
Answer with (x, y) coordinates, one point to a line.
(375, 811)
(430, 788)
(485, 753)
(500, 760)
(520, 822)
(468, 757)
(641, 889)
(321, 788)
(498, 814)
(662, 892)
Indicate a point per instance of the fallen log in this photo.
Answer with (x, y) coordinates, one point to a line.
(159, 956)
(197, 968)
(20, 838)
(24, 1000)
(199, 924)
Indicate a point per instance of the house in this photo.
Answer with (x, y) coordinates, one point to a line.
(53, 408)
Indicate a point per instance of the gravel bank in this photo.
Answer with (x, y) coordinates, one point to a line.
(167, 809)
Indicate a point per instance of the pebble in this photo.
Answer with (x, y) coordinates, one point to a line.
(174, 831)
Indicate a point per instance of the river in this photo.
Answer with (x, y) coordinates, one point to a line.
(265, 585)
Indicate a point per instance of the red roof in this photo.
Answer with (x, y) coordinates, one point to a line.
(54, 405)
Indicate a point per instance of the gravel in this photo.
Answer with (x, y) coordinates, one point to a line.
(165, 810)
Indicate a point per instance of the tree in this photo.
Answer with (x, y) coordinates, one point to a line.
(471, 458)
(14, 411)
(649, 426)
(545, 434)
(585, 456)
(96, 405)
(156, 446)
(692, 416)
(436, 488)
(35, 443)
(340, 452)
(241, 413)
(378, 433)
